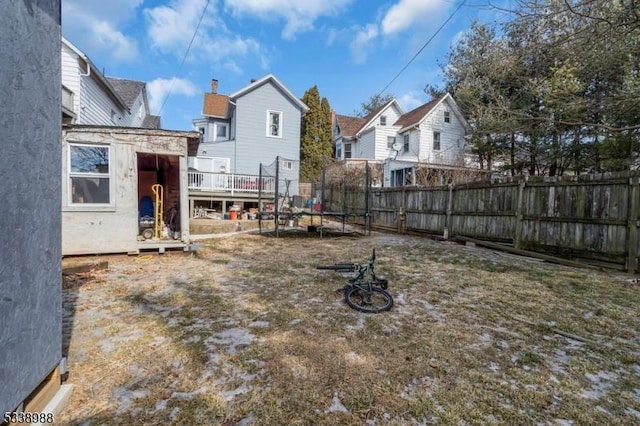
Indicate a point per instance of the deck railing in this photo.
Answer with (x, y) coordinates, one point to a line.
(230, 182)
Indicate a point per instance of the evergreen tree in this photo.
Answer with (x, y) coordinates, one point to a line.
(316, 135)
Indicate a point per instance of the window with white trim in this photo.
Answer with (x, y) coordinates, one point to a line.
(405, 145)
(274, 124)
(383, 120)
(221, 132)
(347, 150)
(89, 174)
(447, 117)
(287, 165)
(390, 141)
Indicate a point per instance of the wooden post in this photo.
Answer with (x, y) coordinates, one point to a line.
(517, 237)
(276, 210)
(632, 249)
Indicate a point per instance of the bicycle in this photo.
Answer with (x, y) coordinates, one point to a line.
(364, 292)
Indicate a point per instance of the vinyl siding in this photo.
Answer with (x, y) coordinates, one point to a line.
(253, 146)
(451, 137)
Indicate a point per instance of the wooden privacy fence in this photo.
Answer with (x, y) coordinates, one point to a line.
(590, 218)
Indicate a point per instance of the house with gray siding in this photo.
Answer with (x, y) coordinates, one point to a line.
(251, 127)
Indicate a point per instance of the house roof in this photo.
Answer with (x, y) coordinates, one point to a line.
(128, 89)
(151, 122)
(416, 115)
(270, 78)
(216, 105)
(349, 126)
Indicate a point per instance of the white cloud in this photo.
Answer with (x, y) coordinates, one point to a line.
(160, 88)
(405, 13)
(360, 45)
(171, 28)
(411, 100)
(299, 15)
(96, 25)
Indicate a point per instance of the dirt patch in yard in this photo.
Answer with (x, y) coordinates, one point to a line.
(246, 331)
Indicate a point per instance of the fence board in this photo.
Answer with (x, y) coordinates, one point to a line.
(591, 218)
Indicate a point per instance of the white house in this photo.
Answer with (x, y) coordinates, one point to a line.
(240, 132)
(432, 134)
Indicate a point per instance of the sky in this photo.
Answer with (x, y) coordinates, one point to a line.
(350, 49)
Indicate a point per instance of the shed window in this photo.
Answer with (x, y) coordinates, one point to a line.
(89, 174)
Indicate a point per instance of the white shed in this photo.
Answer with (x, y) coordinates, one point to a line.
(108, 200)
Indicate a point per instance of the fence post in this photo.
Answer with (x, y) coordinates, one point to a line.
(447, 220)
(402, 213)
(632, 249)
(517, 237)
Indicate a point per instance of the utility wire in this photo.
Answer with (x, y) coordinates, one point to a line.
(184, 58)
(423, 47)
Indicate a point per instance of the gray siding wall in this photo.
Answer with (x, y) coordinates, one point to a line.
(30, 276)
(253, 144)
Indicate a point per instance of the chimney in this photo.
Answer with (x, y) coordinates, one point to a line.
(214, 86)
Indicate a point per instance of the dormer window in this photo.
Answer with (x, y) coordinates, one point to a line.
(447, 117)
(383, 120)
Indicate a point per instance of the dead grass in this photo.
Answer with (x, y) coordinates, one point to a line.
(246, 331)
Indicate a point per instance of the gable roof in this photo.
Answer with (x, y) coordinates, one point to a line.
(351, 126)
(270, 78)
(415, 116)
(216, 105)
(127, 89)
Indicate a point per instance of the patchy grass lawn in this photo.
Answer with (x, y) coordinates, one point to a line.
(246, 331)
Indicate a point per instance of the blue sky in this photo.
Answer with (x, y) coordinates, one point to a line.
(350, 49)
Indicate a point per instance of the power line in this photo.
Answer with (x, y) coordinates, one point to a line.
(184, 58)
(423, 47)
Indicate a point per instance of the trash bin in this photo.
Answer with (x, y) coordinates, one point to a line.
(233, 215)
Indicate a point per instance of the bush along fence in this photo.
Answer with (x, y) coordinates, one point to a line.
(589, 218)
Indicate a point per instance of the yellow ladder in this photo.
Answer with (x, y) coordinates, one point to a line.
(158, 219)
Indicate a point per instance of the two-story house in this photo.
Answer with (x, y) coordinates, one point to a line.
(432, 134)
(242, 134)
(124, 180)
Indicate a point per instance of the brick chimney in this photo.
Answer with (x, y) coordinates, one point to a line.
(214, 86)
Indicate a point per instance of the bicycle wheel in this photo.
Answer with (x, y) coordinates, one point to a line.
(377, 300)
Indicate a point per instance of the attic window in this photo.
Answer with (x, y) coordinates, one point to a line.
(447, 117)
(383, 120)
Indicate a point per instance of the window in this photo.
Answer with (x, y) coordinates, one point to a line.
(390, 141)
(339, 153)
(447, 117)
(221, 131)
(405, 145)
(337, 130)
(383, 120)
(89, 174)
(347, 150)
(201, 130)
(287, 165)
(436, 141)
(274, 124)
